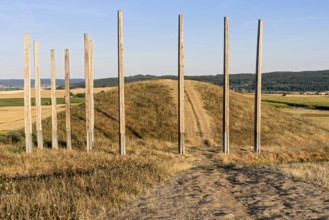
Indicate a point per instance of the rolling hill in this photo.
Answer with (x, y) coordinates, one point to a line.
(151, 113)
(73, 183)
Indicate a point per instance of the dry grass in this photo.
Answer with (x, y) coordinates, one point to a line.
(277, 156)
(315, 173)
(79, 185)
(279, 129)
(320, 117)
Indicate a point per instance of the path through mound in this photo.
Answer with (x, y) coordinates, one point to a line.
(212, 191)
(197, 121)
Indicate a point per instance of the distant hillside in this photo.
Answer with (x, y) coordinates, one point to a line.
(19, 83)
(272, 82)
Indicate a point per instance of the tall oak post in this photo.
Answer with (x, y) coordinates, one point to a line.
(27, 95)
(122, 127)
(67, 99)
(87, 94)
(91, 88)
(258, 93)
(181, 117)
(226, 105)
(38, 95)
(53, 100)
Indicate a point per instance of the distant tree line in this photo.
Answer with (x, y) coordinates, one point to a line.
(315, 81)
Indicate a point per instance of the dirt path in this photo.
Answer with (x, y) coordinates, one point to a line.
(198, 193)
(212, 191)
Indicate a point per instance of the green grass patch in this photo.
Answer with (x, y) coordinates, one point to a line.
(318, 102)
(13, 102)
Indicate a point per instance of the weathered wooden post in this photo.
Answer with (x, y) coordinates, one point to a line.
(91, 86)
(38, 94)
(67, 99)
(226, 100)
(258, 93)
(87, 94)
(53, 100)
(122, 126)
(27, 95)
(181, 116)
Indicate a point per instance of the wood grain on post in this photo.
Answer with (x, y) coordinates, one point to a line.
(27, 95)
(226, 102)
(122, 127)
(87, 93)
(181, 116)
(53, 101)
(67, 100)
(258, 93)
(38, 95)
(91, 86)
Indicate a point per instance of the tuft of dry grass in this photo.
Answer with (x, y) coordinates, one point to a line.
(277, 157)
(315, 173)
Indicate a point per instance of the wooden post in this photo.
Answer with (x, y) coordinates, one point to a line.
(181, 117)
(87, 94)
(258, 93)
(38, 95)
(27, 95)
(67, 99)
(226, 100)
(122, 127)
(53, 101)
(91, 85)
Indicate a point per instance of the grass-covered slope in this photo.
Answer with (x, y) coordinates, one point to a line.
(51, 184)
(151, 114)
(279, 129)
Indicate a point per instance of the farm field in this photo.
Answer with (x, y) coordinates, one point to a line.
(314, 108)
(309, 101)
(12, 118)
(46, 93)
(12, 106)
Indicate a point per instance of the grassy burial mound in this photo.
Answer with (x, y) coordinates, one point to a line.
(151, 114)
(76, 184)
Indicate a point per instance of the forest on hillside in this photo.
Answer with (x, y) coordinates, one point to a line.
(314, 81)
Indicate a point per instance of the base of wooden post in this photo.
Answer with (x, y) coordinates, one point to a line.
(68, 140)
(93, 139)
(257, 144)
(226, 147)
(54, 140)
(40, 139)
(122, 144)
(28, 142)
(90, 139)
(181, 146)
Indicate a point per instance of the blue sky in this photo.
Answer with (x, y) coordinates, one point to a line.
(296, 35)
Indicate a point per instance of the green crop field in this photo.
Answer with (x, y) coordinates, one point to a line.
(11, 102)
(307, 101)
